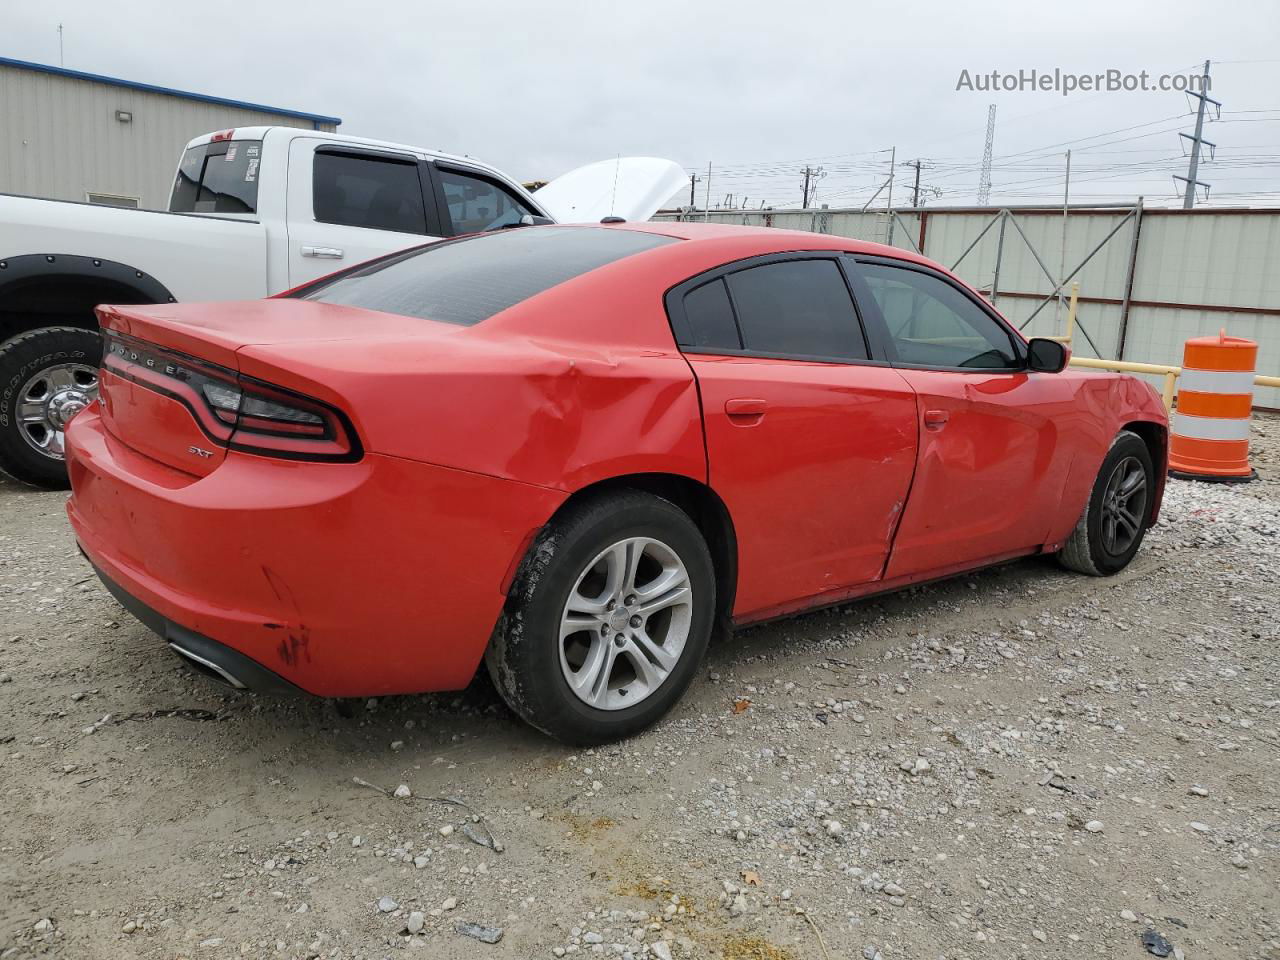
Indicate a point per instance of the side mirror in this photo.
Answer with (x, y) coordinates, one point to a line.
(1046, 356)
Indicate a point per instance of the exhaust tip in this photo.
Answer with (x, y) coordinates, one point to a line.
(208, 667)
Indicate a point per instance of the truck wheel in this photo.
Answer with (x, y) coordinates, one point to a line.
(607, 621)
(47, 376)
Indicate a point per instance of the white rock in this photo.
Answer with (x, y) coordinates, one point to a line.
(1199, 827)
(403, 791)
(416, 922)
(1129, 916)
(446, 830)
(43, 925)
(661, 950)
(449, 903)
(1095, 826)
(386, 904)
(421, 862)
(834, 828)
(592, 937)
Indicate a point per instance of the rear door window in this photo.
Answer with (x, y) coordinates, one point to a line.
(797, 308)
(219, 177)
(477, 203)
(363, 190)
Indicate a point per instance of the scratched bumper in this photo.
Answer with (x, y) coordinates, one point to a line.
(362, 579)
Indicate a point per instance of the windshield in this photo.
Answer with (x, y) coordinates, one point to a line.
(219, 177)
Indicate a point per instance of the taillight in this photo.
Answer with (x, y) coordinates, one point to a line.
(238, 412)
(222, 135)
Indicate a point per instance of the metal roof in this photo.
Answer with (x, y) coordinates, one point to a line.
(315, 118)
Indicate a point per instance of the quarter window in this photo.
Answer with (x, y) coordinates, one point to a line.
(798, 308)
(932, 324)
(709, 316)
(356, 190)
(476, 204)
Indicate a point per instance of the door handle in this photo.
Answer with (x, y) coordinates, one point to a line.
(936, 419)
(322, 253)
(744, 410)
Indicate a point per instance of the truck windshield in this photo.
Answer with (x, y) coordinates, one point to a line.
(219, 177)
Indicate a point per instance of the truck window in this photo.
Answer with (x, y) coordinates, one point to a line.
(358, 190)
(220, 177)
(477, 204)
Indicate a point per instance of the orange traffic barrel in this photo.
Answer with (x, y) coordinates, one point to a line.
(1210, 433)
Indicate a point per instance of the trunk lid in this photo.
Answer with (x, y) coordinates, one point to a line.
(165, 370)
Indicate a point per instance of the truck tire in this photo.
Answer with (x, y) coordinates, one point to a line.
(47, 376)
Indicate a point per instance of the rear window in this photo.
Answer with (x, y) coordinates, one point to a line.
(470, 279)
(219, 177)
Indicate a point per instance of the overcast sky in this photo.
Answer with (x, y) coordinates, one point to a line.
(757, 89)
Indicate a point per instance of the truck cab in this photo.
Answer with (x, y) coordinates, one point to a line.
(253, 211)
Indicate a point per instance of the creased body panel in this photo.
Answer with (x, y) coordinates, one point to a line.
(383, 576)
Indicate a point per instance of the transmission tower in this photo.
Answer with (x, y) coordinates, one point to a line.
(984, 182)
(1198, 142)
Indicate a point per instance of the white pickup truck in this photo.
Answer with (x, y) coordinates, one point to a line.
(254, 211)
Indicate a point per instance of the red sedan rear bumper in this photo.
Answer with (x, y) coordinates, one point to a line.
(343, 579)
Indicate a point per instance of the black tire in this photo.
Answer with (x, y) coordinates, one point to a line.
(21, 358)
(1088, 550)
(524, 655)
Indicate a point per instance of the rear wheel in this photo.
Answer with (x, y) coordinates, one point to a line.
(607, 621)
(1115, 519)
(47, 376)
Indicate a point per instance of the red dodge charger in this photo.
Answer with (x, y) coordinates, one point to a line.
(574, 452)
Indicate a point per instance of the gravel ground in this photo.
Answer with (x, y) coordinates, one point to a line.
(1018, 763)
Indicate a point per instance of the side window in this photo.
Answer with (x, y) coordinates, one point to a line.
(709, 316)
(932, 324)
(797, 308)
(476, 204)
(365, 191)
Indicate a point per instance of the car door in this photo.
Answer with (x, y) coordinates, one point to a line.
(347, 204)
(989, 466)
(810, 443)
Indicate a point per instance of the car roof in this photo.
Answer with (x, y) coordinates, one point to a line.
(768, 239)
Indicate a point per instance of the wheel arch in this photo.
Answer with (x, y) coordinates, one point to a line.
(40, 289)
(703, 506)
(1156, 438)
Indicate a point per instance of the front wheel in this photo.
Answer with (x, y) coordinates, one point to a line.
(1115, 519)
(47, 376)
(608, 619)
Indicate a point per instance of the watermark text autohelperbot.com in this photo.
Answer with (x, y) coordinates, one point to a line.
(1067, 83)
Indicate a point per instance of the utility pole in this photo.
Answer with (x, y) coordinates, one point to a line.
(984, 181)
(915, 190)
(693, 183)
(1062, 261)
(62, 61)
(706, 211)
(1193, 167)
(804, 202)
(893, 156)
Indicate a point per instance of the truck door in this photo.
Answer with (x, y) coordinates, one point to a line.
(347, 204)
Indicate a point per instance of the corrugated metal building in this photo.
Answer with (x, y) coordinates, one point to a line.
(68, 135)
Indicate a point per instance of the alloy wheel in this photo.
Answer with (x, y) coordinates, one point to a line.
(625, 624)
(1124, 504)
